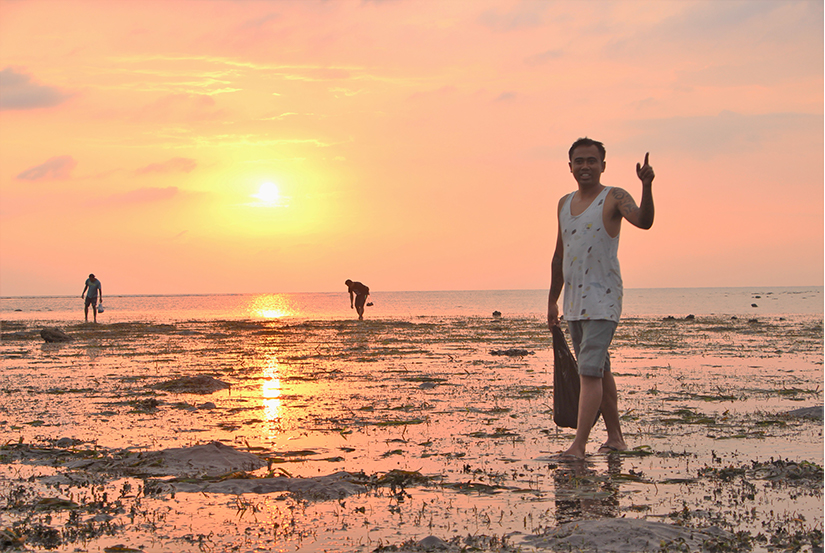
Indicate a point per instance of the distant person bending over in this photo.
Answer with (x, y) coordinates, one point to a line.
(586, 264)
(360, 293)
(95, 292)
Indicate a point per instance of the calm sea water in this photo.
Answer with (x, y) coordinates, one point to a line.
(678, 302)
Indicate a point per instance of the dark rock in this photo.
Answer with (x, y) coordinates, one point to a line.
(754, 305)
(496, 314)
(146, 405)
(513, 352)
(690, 317)
(52, 334)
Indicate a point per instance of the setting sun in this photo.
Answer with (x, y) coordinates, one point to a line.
(268, 193)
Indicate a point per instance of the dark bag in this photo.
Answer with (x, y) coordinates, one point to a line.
(566, 385)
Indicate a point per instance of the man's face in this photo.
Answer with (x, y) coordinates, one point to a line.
(587, 165)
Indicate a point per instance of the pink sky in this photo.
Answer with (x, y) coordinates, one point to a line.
(414, 145)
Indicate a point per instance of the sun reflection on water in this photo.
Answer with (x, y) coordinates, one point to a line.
(272, 306)
(271, 389)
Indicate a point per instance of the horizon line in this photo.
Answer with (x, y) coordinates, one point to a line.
(820, 286)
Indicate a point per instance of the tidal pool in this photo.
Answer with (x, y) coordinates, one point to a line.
(383, 433)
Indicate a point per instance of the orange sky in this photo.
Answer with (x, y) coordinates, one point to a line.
(414, 145)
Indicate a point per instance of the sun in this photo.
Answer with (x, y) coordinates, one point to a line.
(268, 193)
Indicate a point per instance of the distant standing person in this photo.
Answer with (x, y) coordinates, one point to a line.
(586, 264)
(357, 296)
(95, 293)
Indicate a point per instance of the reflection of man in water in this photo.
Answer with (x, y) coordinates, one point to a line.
(95, 291)
(586, 264)
(359, 292)
(585, 494)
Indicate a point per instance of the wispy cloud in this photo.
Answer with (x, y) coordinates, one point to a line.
(524, 15)
(138, 196)
(279, 117)
(55, 168)
(174, 165)
(320, 74)
(181, 107)
(18, 92)
(446, 90)
(259, 22)
(723, 134)
(543, 57)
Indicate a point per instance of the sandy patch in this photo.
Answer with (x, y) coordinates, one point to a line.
(222, 462)
(628, 536)
(331, 486)
(212, 459)
(201, 384)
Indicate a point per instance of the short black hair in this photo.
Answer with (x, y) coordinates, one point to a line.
(587, 142)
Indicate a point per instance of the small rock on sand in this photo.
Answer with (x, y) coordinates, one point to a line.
(807, 412)
(53, 334)
(432, 542)
(201, 384)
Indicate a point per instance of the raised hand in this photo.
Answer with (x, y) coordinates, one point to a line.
(645, 172)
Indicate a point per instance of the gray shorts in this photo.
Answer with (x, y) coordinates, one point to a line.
(91, 300)
(590, 341)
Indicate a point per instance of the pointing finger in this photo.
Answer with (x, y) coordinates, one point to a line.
(647, 156)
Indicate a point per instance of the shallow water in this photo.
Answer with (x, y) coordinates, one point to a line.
(698, 397)
(638, 302)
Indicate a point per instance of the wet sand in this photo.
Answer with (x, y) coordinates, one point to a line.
(406, 435)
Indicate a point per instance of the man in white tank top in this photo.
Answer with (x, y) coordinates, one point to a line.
(586, 265)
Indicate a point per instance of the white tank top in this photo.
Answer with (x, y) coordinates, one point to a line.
(592, 278)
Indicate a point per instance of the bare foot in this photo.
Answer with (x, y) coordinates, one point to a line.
(571, 454)
(563, 457)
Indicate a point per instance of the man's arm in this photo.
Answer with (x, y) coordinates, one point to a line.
(642, 215)
(83, 293)
(556, 276)
(100, 291)
(351, 305)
